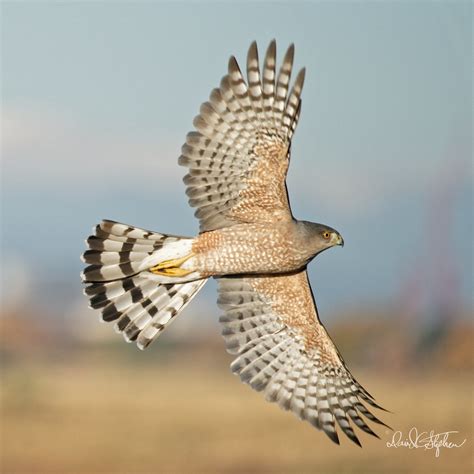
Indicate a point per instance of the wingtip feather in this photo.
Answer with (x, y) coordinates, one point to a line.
(233, 65)
(290, 54)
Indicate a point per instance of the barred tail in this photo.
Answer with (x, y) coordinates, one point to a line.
(134, 277)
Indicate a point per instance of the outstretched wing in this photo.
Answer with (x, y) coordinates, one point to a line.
(238, 157)
(282, 349)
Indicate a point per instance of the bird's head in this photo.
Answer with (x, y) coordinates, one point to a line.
(320, 237)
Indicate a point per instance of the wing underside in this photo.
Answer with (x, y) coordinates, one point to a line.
(281, 348)
(238, 157)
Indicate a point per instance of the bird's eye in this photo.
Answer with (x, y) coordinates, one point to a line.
(325, 235)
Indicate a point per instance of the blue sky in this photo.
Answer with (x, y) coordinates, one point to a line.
(97, 99)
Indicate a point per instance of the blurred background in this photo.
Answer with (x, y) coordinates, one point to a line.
(96, 100)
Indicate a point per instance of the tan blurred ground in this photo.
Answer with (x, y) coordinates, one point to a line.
(99, 411)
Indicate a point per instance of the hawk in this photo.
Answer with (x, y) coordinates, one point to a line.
(237, 160)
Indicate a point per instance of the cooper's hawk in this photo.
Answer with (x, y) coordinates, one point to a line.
(249, 240)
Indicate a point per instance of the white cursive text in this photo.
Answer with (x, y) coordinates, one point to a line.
(424, 440)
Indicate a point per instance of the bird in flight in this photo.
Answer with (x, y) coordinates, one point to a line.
(237, 160)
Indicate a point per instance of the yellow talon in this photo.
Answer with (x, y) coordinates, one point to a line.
(172, 267)
(172, 272)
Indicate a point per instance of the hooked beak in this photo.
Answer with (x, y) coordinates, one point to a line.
(337, 239)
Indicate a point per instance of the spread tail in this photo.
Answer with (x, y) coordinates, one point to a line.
(135, 277)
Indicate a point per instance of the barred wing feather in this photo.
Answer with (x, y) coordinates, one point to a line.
(238, 157)
(283, 350)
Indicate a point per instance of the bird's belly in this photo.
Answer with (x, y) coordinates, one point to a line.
(246, 249)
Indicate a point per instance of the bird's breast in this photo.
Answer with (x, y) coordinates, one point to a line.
(248, 248)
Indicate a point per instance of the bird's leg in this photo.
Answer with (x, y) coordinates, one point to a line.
(172, 267)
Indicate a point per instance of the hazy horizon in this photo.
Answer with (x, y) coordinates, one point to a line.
(96, 102)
